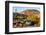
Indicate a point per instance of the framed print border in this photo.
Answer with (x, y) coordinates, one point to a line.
(7, 17)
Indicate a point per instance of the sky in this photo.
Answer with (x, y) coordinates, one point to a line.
(20, 9)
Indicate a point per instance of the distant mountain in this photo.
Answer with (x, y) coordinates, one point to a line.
(29, 12)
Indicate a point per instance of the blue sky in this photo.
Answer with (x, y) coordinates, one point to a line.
(15, 9)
